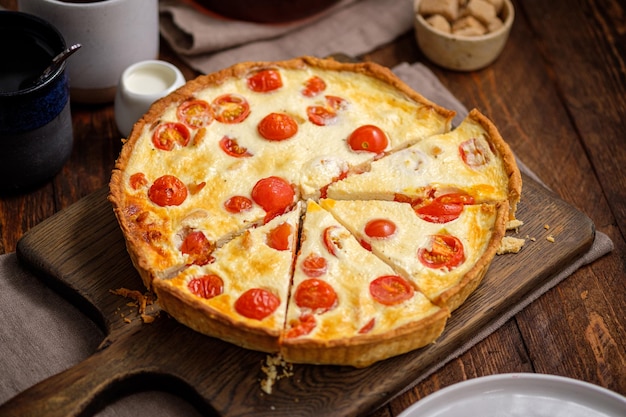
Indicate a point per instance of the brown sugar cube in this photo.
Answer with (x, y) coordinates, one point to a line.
(494, 25)
(498, 4)
(468, 26)
(440, 23)
(482, 10)
(447, 8)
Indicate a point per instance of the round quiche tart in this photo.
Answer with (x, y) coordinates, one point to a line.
(319, 210)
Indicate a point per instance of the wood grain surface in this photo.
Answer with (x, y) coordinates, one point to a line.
(80, 251)
(558, 96)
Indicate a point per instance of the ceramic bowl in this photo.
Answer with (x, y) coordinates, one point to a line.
(36, 136)
(462, 53)
(140, 85)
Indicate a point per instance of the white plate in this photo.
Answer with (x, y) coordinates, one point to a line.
(520, 395)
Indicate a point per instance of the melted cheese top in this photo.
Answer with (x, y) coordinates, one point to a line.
(350, 270)
(435, 161)
(473, 228)
(309, 160)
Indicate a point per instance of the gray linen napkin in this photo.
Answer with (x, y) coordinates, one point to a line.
(41, 334)
(353, 27)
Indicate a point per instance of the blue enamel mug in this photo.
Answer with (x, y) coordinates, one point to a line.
(36, 136)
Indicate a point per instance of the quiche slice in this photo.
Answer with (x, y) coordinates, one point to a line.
(241, 294)
(445, 257)
(473, 158)
(347, 306)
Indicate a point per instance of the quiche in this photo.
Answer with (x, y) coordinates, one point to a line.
(319, 210)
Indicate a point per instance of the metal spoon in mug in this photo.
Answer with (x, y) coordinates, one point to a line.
(56, 62)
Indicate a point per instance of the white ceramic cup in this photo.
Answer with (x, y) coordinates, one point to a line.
(114, 34)
(140, 85)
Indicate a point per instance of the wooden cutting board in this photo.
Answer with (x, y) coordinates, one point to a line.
(80, 252)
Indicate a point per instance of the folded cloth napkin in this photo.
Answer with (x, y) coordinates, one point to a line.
(41, 334)
(208, 43)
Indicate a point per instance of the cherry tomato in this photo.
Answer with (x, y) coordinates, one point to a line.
(313, 86)
(380, 228)
(474, 153)
(167, 191)
(278, 237)
(331, 240)
(167, 135)
(368, 138)
(237, 204)
(315, 294)
(230, 108)
(367, 327)
(445, 251)
(195, 113)
(445, 208)
(274, 194)
(277, 127)
(232, 148)
(207, 286)
(265, 81)
(197, 247)
(314, 266)
(390, 289)
(138, 180)
(257, 303)
(302, 326)
(321, 116)
(327, 114)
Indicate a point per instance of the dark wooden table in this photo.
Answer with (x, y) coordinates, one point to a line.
(558, 95)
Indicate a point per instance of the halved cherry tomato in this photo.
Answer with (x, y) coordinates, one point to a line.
(368, 326)
(232, 148)
(274, 194)
(264, 81)
(446, 251)
(302, 326)
(257, 303)
(167, 135)
(230, 108)
(368, 138)
(197, 247)
(331, 240)
(390, 289)
(327, 114)
(380, 228)
(167, 191)
(278, 237)
(138, 180)
(207, 286)
(445, 208)
(237, 204)
(474, 153)
(313, 86)
(314, 266)
(195, 113)
(315, 294)
(277, 127)
(320, 115)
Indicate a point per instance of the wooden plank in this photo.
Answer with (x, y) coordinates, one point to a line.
(80, 251)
